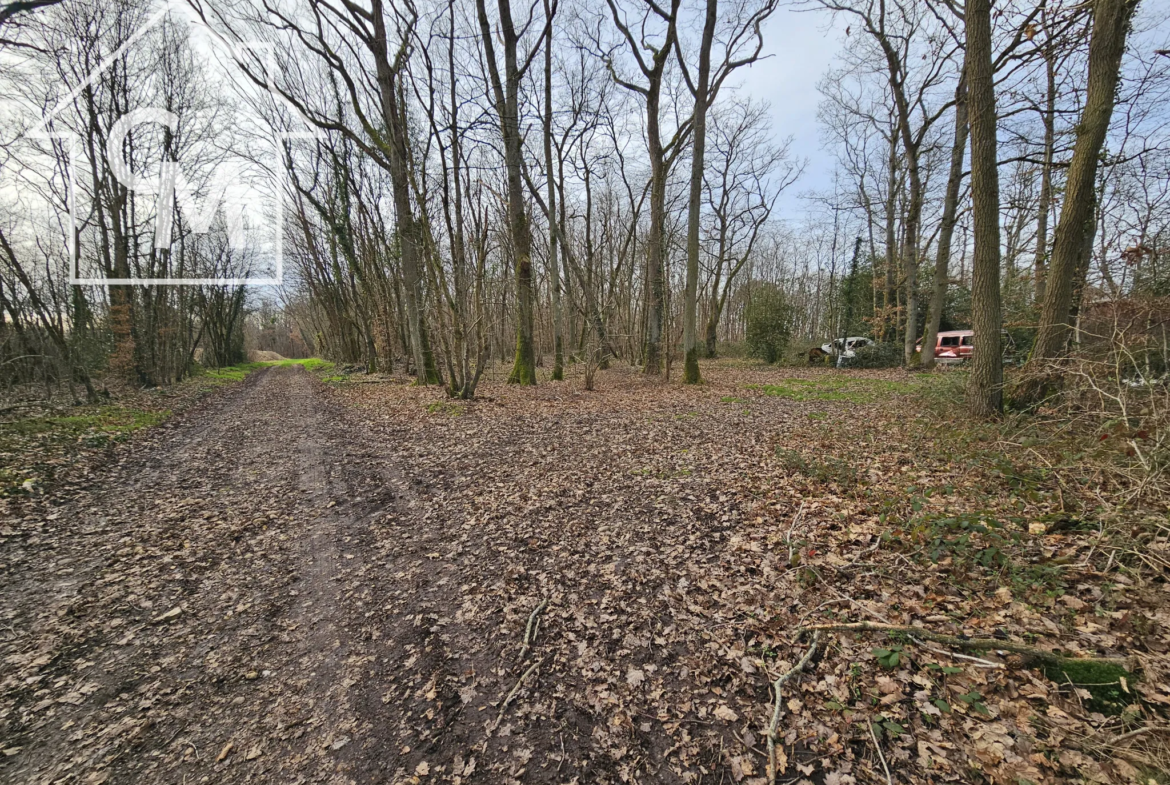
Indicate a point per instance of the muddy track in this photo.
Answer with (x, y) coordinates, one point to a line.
(205, 607)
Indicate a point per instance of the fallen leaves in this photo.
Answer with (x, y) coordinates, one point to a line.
(173, 613)
(726, 714)
(378, 566)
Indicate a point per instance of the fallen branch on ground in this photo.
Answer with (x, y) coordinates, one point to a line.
(24, 405)
(530, 630)
(788, 538)
(881, 755)
(512, 694)
(776, 687)
(1030, 653)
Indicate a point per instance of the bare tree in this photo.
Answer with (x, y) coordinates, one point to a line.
(946, 231)
(745, 174)
(507, 105)
(651, 59)
(744, 26)
(985, 384)
(899, 33)
(1111, 23)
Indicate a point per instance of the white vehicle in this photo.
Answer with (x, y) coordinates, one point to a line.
(845, 348)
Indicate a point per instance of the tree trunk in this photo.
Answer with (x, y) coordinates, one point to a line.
(946, 230)
(1040, 267)
(507, 95)
(985, 384)
(554, 272)
(690, 305)
(1111, 22)
(891, 241)
(655, 294)
(409, 238)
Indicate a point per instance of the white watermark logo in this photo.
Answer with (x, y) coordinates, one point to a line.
(172, 187)
(220, 199)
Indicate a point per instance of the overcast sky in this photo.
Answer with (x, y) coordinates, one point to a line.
(801, 47)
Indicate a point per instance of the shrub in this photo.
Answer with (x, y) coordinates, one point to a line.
(769, 323)
(877, 355)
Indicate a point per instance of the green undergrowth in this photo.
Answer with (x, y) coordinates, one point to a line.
(32, 449)
(983, 506)
(446, 408)
(237, 373)
(100, 424)
(1110, 686)
(43, 438)
(231, 373)
(825, 469)
(841, 388)
(314, 364)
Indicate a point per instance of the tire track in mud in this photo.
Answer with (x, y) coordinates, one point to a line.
(243, 521)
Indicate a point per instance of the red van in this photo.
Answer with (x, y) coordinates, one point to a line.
(953, 346)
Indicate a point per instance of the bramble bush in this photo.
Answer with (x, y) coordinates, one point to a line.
(877, 355)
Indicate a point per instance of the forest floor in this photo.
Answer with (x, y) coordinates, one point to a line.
(300, 581)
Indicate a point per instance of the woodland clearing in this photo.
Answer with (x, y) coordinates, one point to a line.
(360, 580)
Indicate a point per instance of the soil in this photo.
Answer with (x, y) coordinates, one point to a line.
(292, 582)
(265, 586)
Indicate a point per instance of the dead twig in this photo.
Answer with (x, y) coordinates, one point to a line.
(777, 686)
(978, 662)
(969, 644)
(881, 755)
(756, 750)
(512, 694)
(530, 630)
(792, 528)
(1134, 733)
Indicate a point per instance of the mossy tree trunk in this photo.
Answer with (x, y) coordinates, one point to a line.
(410, 237)
(554, 272)
(661, 156)
(507, 98)
(985, 384)
(1111, 24)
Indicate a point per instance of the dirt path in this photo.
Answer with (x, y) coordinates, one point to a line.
(213, 589)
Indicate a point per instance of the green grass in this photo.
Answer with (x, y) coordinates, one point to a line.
(31, 448)
(828, 469)
(446, 407)
(309, 364)
(237, 373)
(838, 388)
(47, 438)
(231, 373)
(107, 422)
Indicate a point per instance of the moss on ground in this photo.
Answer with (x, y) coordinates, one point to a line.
(32, 448)
(1109, 685)
(96, 427)
(237, 373)
(839, 388)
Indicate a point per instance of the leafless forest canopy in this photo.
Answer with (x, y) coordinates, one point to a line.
(451, 185)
